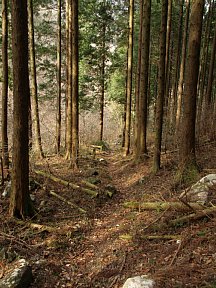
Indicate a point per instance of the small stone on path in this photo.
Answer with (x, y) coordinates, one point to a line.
(139, 282)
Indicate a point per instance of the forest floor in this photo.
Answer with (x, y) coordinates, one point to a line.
(107, 244)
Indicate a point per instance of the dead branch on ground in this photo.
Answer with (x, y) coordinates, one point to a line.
(67, 201)
(194, 216)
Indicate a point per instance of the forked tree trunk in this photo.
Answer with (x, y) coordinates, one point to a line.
(129, 78)
(20, 202)
(4, 130)
(58, 68)
(34, 95)
(161, 89)
(187, 163)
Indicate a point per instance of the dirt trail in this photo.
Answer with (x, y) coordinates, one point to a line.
(105, 247)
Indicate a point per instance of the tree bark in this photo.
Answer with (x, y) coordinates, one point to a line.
(144, 77)
(34, 94)
(4, 129)
(203, 67)
(69, 81)
(137, 87)
(161, 89)
(58, 68)
(182, 69)
(168, 74)
(129, 78)
(20, 202)
(208, 95)
(75, 87)
(102, 80)
(187, 163)
(177, 66)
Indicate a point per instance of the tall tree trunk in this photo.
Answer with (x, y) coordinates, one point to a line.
(58, 68)
(20, 202)
(137, 87)
(4, 129)
(187, 156)
(177, 65)
(102, 80)
(203, 68)
(123, 125)
(144, 76)
(208, 111)
(75, 88)
(69, 82)
(210, 74)
(168, 36)
(168, 74)
(161, 89)
(129, 78)
(182, 69)
(34, 95)
(204, 58)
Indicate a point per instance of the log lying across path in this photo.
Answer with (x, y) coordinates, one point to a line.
(180, 206)
(199, 210)
(93, 186)
(92, 193)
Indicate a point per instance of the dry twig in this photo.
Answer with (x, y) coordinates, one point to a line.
(67, 201)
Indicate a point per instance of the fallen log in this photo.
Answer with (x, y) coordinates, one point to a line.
(163, 206)
(37, 226)
(161, 237)
(151, 237)
(194, 216)
(92, 193)
(67, 201)
(93, 186)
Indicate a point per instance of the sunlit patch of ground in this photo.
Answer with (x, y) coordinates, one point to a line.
(107, 245)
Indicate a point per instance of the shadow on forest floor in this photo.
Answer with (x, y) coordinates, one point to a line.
(108, 244)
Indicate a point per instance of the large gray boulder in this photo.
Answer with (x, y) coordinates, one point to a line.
(199, 192)
(139, 282)
(19, 275)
